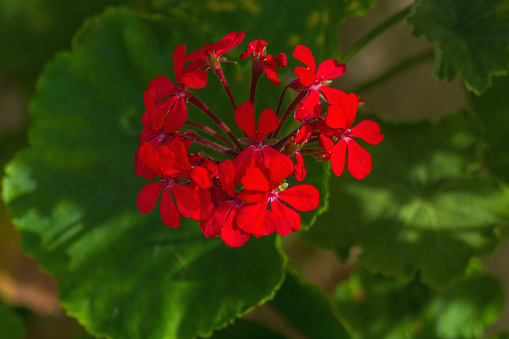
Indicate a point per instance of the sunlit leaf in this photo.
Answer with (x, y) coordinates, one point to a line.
(423, 208)
(380, 308)
(72, 195)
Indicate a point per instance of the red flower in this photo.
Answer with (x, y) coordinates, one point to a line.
(263, 62)
(299, 168)
(315, 81)
(223, 218)
(211, 53)
(258, 154)
(170, 162)
(340, 118)
(170, 111)
(252, 218)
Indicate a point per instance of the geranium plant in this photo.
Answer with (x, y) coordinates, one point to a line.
(227, 116)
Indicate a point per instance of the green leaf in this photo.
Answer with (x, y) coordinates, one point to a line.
(422, 208)
(308, 310)
(10, 324)
(493, 111)
(379, 307)
(471, 39)
(72, 195)
(246, 330)
(282, 23)
(9, 144)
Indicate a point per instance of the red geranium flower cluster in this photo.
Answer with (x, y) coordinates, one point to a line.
(247, 191)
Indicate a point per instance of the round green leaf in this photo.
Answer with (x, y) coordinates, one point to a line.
(471, 39)
(422, 208)
(379, 307)
(493, 111)
(308, 310)
(246, 330)
(72, 195)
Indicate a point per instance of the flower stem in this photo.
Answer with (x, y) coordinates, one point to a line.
(195, 101)
(280, 103)
(254, 81)
(283, 141)
(412, 61)
(311, 150)
(290, 108)
(357, 47)
(220, 74)
(216, 147)
(209, 131)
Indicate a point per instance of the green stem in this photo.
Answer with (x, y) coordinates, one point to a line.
(359, 45)
(403, 66)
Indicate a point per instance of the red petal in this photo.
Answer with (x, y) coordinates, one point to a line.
(299, 169)
(271, 74)
(350, 105)
(265, 157)
(326, 143)
(162, 86)
(149, 101)
(179, 59)
(303, 198)
(197, 79)
(303, 54)
(287, 220)
(169, 212)
(359, 160)
(254, 180)
(252, 196)
(176, 117)
(147, 198)
(231, 234)
(195, 56)
(304, 133)
(191, 202)
(367, 130)
(204, 198)
(337, 157)
(165, 159)
(245, 119)
(306, 77)
(211, 226)
(332, 95)
(336, 117)
(141, 169)
(150, 158)
(242, 162)
(201, 176)
(268, 226)
(267, 123)
(180, 167)
(309, 107)
(280, 168)
(251, 217)
(330, 69)
(233, 38)
(226, 173)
